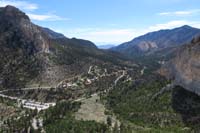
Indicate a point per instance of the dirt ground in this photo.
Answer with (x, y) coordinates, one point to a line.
(93, 109)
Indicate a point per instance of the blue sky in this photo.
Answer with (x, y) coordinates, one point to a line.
(109, 21)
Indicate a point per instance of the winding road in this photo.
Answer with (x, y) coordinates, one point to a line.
(121, 76)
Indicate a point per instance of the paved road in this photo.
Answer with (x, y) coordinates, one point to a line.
(47, 88)
(142, 71)
(10, 97)
(89, 71)
(121, 76)
(168, 87)
(24, 89)
(27, 103)
(83, 98)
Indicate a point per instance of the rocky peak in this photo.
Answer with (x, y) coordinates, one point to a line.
(9, 12)
(16, 24)
(186, 27)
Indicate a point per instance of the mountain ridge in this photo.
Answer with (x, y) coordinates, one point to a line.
(153, 41)
(32, 56)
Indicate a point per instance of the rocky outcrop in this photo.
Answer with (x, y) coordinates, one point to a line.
(17, 22)
(146, 46)
(184, 69)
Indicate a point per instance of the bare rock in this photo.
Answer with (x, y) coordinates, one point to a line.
(184, 69)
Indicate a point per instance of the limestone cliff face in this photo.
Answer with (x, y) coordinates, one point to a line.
(15, 21)
(185, 68)
(146, 46)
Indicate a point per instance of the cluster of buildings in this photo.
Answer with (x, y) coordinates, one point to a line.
(36, 105)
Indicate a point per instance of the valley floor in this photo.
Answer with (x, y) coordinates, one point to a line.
(108, 101)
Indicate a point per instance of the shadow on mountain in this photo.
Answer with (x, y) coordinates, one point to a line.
(188, 105)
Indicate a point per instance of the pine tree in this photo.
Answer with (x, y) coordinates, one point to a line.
(116, 129)
(109, 121)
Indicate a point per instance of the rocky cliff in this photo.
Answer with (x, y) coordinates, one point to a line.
(184, 69)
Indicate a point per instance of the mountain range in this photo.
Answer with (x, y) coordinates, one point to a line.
(33, 55)
(157, 41)
(52, 83)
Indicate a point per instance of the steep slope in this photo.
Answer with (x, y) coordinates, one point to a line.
(35, 56)
(53, 34)
(184, 69)
(158, 40)
(19, 41)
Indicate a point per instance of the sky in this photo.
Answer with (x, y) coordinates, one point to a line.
(109, 21)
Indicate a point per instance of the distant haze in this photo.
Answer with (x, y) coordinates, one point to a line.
(106, 46)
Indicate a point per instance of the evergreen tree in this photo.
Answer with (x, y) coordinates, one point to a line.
(109, 121)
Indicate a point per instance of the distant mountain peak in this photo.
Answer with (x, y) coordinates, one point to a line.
(186, 26)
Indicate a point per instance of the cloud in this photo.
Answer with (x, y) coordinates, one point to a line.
(46, 17)
(19, 4)
(28, 7)
(174, 24)
(180, 13)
